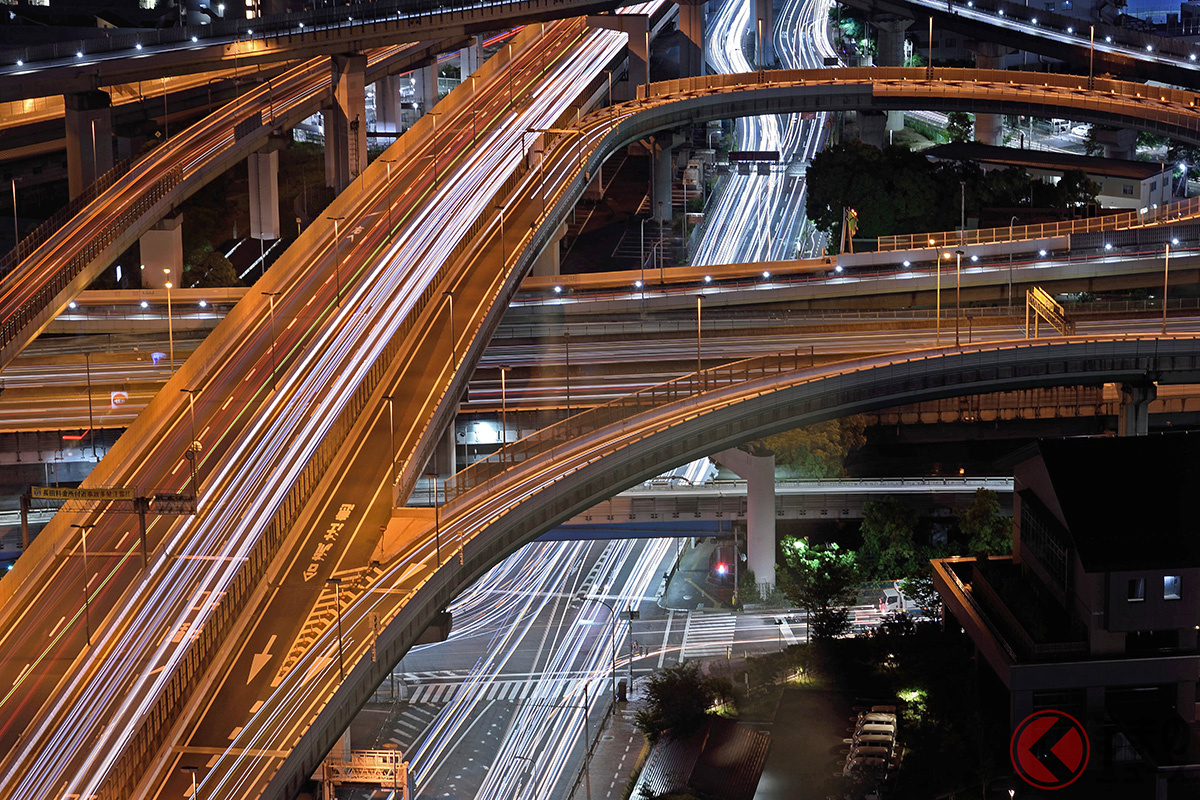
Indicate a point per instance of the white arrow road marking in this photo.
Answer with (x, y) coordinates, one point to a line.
(260, 659)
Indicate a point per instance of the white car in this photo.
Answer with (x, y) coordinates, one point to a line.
(1081, 130)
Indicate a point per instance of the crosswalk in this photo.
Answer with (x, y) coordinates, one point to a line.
(707, 634)
(440, 693)
(410, 725)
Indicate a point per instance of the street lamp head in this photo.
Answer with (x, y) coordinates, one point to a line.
(708, 278)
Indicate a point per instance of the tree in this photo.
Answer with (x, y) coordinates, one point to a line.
(818, 450)
(208, 269)
(959, 126)
(823, 580)
(1076, 189)
(678, 699)
(987, 531)
(889, 550)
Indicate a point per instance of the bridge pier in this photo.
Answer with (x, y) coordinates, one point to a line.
(263, 167)
(89, 138)
(989, 128)
(691, 45)
(759, 474)
(161, 248)
(547, 263)
(388, 114)
(764, 16)
(425, 87)
(346, 121)
(638, 28)
(469, 58)
(872, 126)
(664, 172)
(1133, 419)
(889, 52)
(1120, 143)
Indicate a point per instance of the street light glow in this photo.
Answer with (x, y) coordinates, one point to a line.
(1042, 253)
(907, 263)
(144, 304)
(558, 290)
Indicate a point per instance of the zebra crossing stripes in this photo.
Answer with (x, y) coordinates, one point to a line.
(706, 635)
(439, 693)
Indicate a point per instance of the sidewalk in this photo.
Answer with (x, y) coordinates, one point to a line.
(614, 757)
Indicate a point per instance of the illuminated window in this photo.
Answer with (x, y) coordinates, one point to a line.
(1137, 590)
(1172, 587)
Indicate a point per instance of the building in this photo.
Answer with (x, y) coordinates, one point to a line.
(1123, 184)
(1096, 612)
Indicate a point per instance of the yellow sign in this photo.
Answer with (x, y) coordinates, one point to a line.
(55, 493)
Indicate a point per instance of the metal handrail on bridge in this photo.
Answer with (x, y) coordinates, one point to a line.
(1183, 210)
(564, 431)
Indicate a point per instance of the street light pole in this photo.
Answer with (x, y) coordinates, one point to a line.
(388, 191)
(1091, 57)
(1010, 256)
(503, 406)
(392, 432)
(87, 605)
(958, 254)
(274, 363)
(337, 264)
(1166, 269)
(192, 450)
(87, 365)
(16, 228)
(613, 615)
(938, 301)
(453, 342)
(170, 322)
(192, 770)
(337, 589)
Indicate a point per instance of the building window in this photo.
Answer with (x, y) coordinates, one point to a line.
(1137, 590)
(1049, 6)
(1172, 587)
(952, 42)
(1127, 189)
(1153, 185)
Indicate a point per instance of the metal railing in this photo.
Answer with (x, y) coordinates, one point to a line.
(622, 408)
(1171, 212)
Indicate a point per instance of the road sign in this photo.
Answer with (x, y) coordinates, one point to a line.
(100, 493)
(173, 503)
(1049, 749)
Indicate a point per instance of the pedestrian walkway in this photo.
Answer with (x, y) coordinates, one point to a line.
(614, 757)
(708, 634)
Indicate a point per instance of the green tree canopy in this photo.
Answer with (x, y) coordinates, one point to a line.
(987, 531)
(821, 579)
(889, 550)
(208, 269)
(818, 450)
(678, 699)
(959, 126)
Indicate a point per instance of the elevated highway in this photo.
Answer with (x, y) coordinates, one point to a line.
(271, 454)
(496, 506)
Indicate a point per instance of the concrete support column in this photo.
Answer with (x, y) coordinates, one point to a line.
(425, 87)
(1121, 143)
(664, 173)
(161, 248)
(346, 121)
(470, 57)
(889, 46)
(387, 104)
(447, 453)
(889, 39)
(547, 263)
(764, 17)
(89, 139)
(264, 193)
(638, 28)
(759, 474)
(989, 129)
(1134, 415)
(691, 45)
(872, 127)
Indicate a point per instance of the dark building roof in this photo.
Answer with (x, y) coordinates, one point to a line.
(1129, 502)
(1041, 159)
(721, 760)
